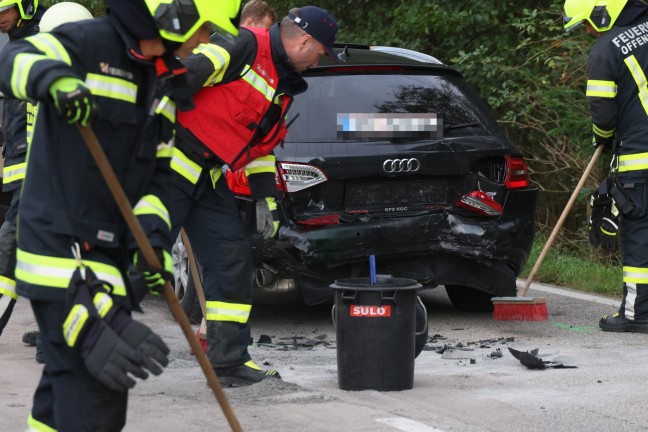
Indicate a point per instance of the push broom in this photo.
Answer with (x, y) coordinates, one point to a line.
(521, 308)
(152, 260)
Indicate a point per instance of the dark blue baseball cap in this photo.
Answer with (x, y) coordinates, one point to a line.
(320, 24)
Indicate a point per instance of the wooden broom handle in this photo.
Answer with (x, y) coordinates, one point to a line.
(152, 260)
(195, 275)
(560, 222)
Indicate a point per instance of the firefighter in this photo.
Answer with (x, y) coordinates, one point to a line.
(18, 19)
(58, 14)
(616, 91)
(121, 74)
(239, 118)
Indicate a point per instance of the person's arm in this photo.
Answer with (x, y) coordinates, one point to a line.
(601, 95)
(210, 64)
(261, 174)
(28, 67)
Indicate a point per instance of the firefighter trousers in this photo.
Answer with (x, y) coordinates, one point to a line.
(209, 216)
(68, 398)
(634, 249)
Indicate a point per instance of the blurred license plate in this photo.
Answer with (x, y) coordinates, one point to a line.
(395, 196)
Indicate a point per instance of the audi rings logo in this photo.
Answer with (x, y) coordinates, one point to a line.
(391, 166)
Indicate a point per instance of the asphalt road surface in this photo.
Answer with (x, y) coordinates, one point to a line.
(479, 392)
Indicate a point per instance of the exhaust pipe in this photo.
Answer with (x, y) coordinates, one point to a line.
(270, 290)
(264, 277)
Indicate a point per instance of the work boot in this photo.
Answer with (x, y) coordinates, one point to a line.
(244, 375)
(30, 337)
(619, 323)
(40, 356)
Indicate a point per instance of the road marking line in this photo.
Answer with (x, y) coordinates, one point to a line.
(573, 294)
(407, 425)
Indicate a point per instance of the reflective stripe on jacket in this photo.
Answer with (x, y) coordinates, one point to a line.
(617, 92)
(241, 120)
(64, 197)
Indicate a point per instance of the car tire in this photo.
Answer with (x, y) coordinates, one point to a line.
(183, 283)
(469, 299)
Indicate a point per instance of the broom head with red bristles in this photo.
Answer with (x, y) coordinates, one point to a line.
(520, 309)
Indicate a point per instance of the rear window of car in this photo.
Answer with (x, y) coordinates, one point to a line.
(315, 112)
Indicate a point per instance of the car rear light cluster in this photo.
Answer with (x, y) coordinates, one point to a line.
(481, 203)
(292, 177)
(296, 176)
(517, 173)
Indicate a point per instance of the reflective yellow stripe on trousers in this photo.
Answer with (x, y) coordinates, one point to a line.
(233, 312)
(635, 274)
(57, 272)
(34, 425)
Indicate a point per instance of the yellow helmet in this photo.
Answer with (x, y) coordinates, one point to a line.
(27, 8)
(601, 14)
(177, 20)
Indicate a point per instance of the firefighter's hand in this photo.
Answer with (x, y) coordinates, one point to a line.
(604, 222)
(73, 100)
(606, 143)
(155, 278)
(609, 228)
(267, 217)
(106, 356)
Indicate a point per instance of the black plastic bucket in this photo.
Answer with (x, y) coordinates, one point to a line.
(375, 331)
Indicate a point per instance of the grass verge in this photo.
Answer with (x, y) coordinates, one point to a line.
(581, 273)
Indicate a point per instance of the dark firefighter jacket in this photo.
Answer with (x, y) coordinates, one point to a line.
(14, 118)
(617, 91)
(247, 89)
(64, 195)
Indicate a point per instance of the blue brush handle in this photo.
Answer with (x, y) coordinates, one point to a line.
(372, 269)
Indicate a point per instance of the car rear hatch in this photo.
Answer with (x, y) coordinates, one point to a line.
(336, 170)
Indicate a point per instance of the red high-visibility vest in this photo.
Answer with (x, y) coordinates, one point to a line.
(226, 116)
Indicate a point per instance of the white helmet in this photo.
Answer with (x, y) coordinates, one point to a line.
(61, 13)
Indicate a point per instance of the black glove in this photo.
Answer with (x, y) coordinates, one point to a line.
(604, 222)
(609, 228)
(155, 278)
(267, 217)
(153, 349)
(106, 356)
(73, 100)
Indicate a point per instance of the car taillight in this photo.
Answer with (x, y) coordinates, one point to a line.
(517, 174)
(296, 176)
(481, 203)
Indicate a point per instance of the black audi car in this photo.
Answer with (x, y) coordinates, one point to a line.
(390, 153)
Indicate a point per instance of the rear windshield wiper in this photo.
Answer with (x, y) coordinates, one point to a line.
(459, 126)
